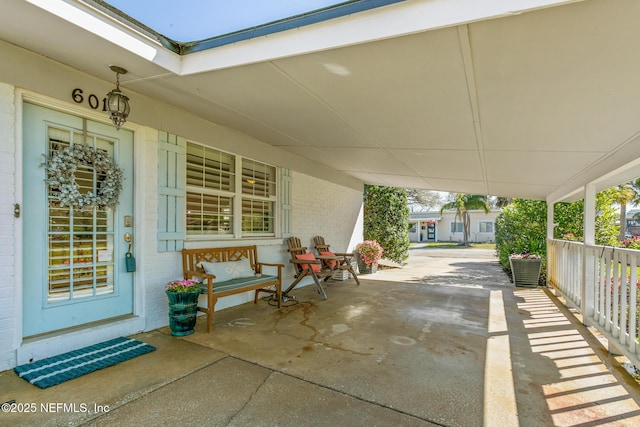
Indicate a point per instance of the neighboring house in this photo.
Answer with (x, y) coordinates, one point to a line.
(433, 227)
(633, 224)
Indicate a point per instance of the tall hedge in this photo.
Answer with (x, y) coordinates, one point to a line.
(521, 228)
(386, 219)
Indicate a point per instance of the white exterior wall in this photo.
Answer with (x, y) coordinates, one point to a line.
(419, 235)
(319, 207)
(8, 295)
(328, 210)
(415, 236)
(444, 227)
(157, 268)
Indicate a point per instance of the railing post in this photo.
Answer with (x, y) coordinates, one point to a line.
(552, 268)
(588, 258)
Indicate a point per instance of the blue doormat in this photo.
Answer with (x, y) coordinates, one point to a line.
(64, 367)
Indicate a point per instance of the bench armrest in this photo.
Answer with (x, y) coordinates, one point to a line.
(345, 254)
(330, 257)
(208, 278)
(189, 274)
(270, 265)
(259, 266)
(306, 261)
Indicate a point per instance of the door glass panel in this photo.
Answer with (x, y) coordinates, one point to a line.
(80, 241)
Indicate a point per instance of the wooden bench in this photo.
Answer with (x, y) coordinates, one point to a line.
(234, 274)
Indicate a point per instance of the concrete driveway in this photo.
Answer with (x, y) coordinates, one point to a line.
(446, 341)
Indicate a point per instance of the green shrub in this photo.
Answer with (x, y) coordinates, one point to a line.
(386, 219)
(522, 225)
(521, 228)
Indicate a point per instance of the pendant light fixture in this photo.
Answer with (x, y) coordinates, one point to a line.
(118, 102)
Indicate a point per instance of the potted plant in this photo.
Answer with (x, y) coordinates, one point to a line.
(525, 269)
(368, 253)
(183, 306)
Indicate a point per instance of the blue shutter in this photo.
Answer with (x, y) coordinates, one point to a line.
(285, 202)
(171, 192)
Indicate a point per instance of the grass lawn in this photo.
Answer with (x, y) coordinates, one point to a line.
(484, 245)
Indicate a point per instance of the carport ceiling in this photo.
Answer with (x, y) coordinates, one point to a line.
(446, 95)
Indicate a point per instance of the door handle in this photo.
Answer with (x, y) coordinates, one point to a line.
(129, 260)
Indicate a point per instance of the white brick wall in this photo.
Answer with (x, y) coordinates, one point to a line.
(158, 267)
(324, 209)
(7, 224)
(318, 208)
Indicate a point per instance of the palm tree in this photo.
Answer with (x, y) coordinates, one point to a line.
(626, 193)
(463, 203)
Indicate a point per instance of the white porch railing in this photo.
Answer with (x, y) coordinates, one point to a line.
(602, 282)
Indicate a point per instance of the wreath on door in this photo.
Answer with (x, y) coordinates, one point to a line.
(62, 166)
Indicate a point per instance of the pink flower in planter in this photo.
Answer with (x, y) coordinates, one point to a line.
(182, 286)
(524, 256)
(370, 252)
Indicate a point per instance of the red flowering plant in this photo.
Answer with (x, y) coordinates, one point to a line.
(182, 286)
(632, 242)
(370, 252)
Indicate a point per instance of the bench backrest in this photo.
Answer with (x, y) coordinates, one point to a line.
(191, 257)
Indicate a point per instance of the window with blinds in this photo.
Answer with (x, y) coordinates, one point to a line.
(76, 237)
(210, 191)
(258, 197)
(485, 227)
(220, 201)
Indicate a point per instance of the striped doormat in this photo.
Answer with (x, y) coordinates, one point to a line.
(64, 367)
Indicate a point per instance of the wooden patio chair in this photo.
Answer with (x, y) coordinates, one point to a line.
(306, 264)
(337, 261)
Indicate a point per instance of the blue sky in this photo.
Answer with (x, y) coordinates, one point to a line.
(192, 20)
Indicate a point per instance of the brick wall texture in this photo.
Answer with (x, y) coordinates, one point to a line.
(7, 227)
(318, 208)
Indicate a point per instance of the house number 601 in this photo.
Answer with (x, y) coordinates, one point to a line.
(94, 103)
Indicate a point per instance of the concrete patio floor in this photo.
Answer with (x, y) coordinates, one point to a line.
(445, 341)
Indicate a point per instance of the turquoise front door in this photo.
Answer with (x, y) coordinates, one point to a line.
(73, 259)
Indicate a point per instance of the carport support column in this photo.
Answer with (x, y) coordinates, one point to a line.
(588, 258)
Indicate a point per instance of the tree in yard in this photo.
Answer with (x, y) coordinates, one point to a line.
(569, 218)
(501, 202)
(425, 199)
(629, 192)
(386, 219)
(462, 204)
